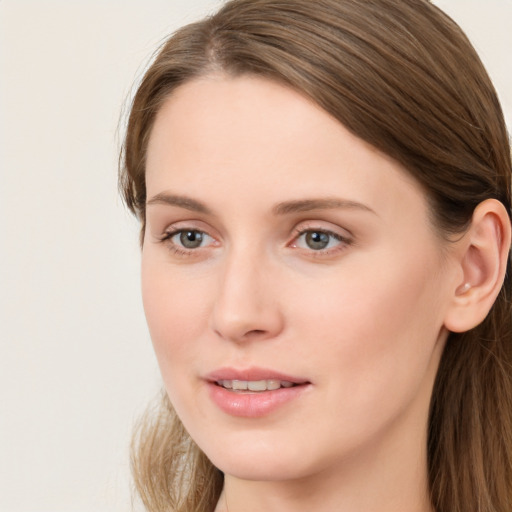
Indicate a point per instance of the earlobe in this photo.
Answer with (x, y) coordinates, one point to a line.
(483, 260)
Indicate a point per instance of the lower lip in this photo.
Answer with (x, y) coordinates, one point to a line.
(253, 405)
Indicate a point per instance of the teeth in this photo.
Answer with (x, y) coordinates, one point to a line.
(273, 384)
(254, 385)
(239, 385)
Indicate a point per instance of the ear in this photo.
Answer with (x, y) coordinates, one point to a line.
(482, 258)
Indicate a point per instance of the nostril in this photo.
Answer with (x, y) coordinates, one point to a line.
(254, 332)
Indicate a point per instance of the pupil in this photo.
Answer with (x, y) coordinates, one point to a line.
(191, 239)
(317, 240)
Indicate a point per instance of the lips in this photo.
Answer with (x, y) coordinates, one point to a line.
(253, 392)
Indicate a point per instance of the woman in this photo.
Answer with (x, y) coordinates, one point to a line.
(324, 192)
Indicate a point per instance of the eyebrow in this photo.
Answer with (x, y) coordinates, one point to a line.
(329, 203)
(181, 201)
(284, 208)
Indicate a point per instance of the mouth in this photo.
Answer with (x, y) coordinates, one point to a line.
(254, 386)
(254, 392)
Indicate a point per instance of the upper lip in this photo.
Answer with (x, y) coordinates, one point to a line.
(252, 374)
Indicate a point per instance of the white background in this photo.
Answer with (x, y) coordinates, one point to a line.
(76, 366)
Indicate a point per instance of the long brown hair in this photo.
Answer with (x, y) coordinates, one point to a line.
(402, 76)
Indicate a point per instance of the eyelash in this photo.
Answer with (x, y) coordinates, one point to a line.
(344, 242)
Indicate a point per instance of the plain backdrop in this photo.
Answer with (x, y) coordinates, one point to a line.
(76, 365)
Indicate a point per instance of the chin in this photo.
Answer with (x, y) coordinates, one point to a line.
(260, 470)
(259, 460)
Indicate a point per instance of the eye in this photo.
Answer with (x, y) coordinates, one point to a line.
(183, 241)
(319, 240)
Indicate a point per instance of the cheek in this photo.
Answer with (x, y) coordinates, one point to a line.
(176, 308)
(375, 333)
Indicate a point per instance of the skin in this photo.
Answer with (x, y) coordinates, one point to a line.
(362, 320)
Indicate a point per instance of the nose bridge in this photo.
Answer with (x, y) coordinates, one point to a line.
(247, 303)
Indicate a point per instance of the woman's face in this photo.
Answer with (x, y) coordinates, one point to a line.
(294, 288)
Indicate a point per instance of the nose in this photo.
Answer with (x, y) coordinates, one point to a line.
(247, 302)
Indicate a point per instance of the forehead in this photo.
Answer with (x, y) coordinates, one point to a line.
(220, 137)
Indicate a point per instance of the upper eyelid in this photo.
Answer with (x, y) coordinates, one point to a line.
(191, 225)
(319, 225)
(333, 234)
(317, 228)
(169, 233)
